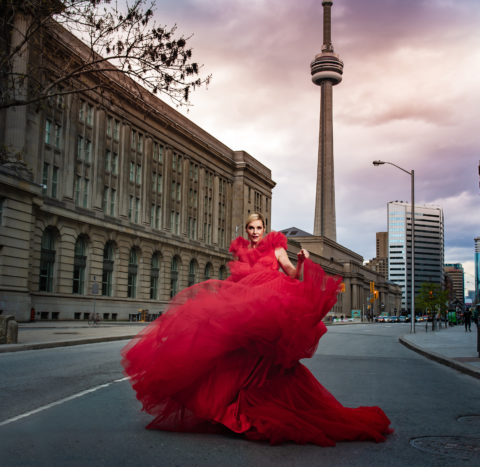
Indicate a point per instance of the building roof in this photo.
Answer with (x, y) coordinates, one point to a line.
(295, 232)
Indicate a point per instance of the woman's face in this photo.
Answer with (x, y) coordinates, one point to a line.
(255, 231)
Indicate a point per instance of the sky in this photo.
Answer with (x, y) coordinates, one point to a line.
(410, 95)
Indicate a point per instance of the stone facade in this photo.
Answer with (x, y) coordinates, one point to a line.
(112, 204)
(340, 261)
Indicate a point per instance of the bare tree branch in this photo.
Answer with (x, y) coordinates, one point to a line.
(119, 37)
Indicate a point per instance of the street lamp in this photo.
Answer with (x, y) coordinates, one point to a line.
(412, 179)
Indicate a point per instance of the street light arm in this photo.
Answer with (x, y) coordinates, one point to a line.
(377, 163)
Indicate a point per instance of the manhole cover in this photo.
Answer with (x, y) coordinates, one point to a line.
(460, 447)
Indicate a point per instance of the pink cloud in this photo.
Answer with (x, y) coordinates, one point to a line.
(409, 95)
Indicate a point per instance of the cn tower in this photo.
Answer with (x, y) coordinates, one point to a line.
(327, 69)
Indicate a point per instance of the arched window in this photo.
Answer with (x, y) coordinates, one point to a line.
(222, 273)
(47, 260)
(79, 264)
(208, 271)
(132, 273)
(174, 276)
(154, 274)
(107, 274)
(192, 272)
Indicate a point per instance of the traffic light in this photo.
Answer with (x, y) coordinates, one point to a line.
(342, 287)
(375, 294)
(431, 294)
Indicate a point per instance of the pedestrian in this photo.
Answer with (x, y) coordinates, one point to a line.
(225, 355)
(467, 319)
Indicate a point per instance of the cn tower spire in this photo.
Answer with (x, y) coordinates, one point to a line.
(327, 70)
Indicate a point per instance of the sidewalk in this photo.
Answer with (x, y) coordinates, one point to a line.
(452, 347)
(50, 334)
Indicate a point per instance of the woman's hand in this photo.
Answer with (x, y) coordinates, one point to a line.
(287, 266)
(302, 254)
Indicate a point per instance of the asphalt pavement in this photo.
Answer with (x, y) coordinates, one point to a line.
(452, 346)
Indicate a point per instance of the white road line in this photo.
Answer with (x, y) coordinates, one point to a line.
(61, 401)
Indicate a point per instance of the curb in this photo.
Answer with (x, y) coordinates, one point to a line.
(6, 348)
(441, 359)
(50, 345)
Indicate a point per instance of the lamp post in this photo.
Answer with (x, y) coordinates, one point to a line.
(412, 179)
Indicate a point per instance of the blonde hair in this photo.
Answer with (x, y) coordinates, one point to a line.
(255, 216)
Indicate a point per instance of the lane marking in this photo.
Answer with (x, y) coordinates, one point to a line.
(61, 401)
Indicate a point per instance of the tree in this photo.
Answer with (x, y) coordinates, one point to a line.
(431, 298)
(121, 37)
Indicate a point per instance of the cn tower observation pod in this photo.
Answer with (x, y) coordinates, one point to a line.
(326, 66)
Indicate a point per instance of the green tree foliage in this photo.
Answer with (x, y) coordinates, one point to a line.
(431, 298)
(121, 36)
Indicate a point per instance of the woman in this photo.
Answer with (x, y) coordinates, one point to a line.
(226, 353)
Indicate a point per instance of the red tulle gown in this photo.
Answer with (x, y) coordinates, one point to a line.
(226, 354)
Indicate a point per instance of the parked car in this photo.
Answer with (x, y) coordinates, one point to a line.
(394, 319)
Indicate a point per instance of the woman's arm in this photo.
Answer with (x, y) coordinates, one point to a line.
(287, 266)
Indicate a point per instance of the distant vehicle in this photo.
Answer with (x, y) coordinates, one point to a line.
(403, 319)
(394, 319)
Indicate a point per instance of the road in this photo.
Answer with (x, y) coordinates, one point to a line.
(71, 406)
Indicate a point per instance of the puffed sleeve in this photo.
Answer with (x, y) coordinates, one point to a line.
(277, 240)
(238, 244)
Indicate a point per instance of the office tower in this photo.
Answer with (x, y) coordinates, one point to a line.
(456, 274)
(477, 270)
(381, 244)
(429, 246)
(379, 264)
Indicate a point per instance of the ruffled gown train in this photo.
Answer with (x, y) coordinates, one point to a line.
(225, 355)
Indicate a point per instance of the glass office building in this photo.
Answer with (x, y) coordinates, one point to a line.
(429, 247)
(477, 270)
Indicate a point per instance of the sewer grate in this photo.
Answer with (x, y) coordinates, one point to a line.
(459, 447)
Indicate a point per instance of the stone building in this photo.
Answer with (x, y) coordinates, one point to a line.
(112, 204)
(335, 259)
